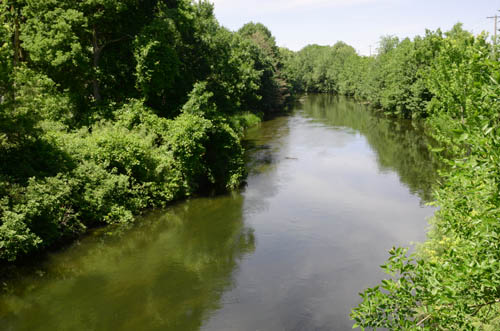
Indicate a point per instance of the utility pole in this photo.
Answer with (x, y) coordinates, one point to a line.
(495, 20)
(370, 50)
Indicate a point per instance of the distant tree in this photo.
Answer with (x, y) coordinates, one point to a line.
(387, 43)
(274, 89)
(263, 37)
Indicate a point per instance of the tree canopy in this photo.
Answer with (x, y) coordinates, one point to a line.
(109, 107)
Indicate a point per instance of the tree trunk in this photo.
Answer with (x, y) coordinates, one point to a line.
(17, 49)
(95, 65)
(17, 42)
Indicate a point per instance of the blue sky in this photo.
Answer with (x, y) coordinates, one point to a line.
(360, 23)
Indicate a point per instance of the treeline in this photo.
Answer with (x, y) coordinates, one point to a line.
(108, 107)
(452, 80)
(400, 79)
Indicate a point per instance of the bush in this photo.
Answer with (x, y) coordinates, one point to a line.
(37, 216)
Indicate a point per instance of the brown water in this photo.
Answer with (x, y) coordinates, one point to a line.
(331, 188)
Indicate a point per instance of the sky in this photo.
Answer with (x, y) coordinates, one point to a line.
(359, 23)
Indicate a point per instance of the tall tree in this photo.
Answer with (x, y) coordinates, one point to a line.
(85, 46)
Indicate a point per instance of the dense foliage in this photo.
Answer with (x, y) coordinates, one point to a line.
(109, 107)
(394, 80)
(453, 81)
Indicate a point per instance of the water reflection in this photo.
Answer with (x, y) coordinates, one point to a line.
(166, 274)
(400, 145)
(327, 201)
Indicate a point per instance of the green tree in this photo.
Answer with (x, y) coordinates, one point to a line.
(386, 44)
(274, 88)
(85, 46)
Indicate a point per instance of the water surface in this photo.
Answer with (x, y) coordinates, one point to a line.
(331, 189)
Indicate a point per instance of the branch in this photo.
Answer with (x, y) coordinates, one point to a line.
(117, 40)
(423, 320)
(475, 306)
(98, 47)
(484, 304)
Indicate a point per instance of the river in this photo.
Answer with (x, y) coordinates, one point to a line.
(331, 188)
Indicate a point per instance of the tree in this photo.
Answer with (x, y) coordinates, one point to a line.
(85, 46)
(387, 43)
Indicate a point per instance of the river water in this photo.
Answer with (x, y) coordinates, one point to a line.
(331, 188)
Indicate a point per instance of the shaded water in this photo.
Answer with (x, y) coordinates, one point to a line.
(331, 188)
